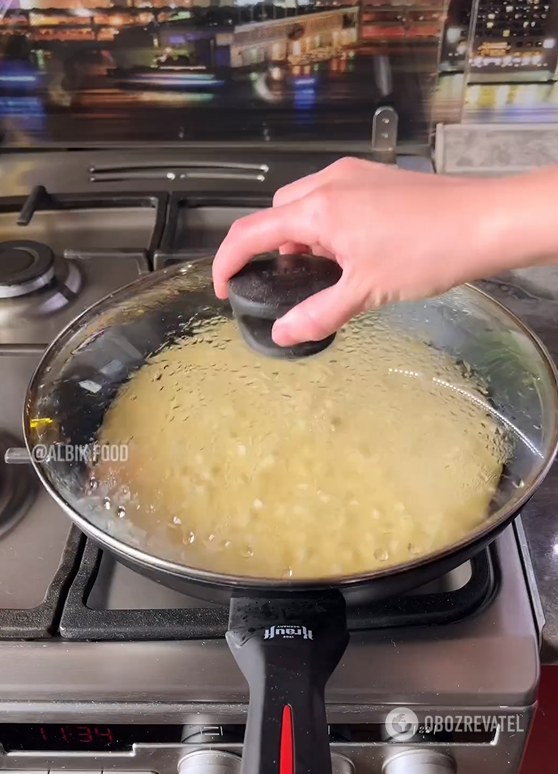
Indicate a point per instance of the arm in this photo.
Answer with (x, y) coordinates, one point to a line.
(397, 235)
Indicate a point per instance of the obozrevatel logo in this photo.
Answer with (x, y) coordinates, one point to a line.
(288, 632)
(401, 724)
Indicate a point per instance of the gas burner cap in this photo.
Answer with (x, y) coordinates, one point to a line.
(24, 267)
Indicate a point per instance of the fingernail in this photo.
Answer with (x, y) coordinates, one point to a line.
(221, 291)
(283, 332)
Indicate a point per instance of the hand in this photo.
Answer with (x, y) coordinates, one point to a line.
(397, 235)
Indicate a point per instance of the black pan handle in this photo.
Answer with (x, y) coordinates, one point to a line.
(287, 648)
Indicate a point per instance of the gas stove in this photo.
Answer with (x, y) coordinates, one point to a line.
(104, 670)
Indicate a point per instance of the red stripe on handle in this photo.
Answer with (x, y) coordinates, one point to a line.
(286, 755)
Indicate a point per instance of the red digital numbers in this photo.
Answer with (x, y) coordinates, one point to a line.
(92, 734)
(98, 737)
(84, 734)
(106, 734)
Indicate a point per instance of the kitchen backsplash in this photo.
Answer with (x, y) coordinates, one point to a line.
(74, 71)
(502, 55)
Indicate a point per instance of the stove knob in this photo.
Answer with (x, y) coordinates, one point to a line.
(195, 734)
(209, 762)
(419, 762)
(341, 765)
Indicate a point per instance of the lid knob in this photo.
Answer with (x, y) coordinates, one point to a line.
(270, 286)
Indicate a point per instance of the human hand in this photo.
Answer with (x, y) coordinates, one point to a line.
(397, 235)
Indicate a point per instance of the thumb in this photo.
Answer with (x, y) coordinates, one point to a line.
(320, 315)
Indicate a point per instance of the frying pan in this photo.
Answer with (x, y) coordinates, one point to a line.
(287, 636)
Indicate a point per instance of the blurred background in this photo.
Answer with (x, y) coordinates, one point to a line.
(74, 71)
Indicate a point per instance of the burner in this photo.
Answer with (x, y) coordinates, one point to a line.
(24, 267)
(18, 486)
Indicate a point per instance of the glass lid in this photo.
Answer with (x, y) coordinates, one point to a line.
(421, 426)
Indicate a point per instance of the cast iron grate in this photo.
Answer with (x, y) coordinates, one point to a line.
(81, 622)
(41, 622)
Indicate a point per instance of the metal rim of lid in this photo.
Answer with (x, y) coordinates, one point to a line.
(39, 273)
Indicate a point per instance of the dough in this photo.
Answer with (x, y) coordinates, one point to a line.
(376, 452)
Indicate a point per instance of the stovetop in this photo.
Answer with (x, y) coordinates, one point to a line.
(80, 633)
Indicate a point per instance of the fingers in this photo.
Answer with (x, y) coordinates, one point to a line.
(295, 248)
(340, 169)
(259, 233)
(320, 315)
(293, 191)
(292, 248)
(289, 226)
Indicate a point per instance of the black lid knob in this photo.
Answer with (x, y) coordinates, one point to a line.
(268, 287)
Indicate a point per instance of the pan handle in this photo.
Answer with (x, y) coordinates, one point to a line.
(287, 649)
(17, 456)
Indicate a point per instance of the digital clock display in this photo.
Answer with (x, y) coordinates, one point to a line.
(89, 737)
